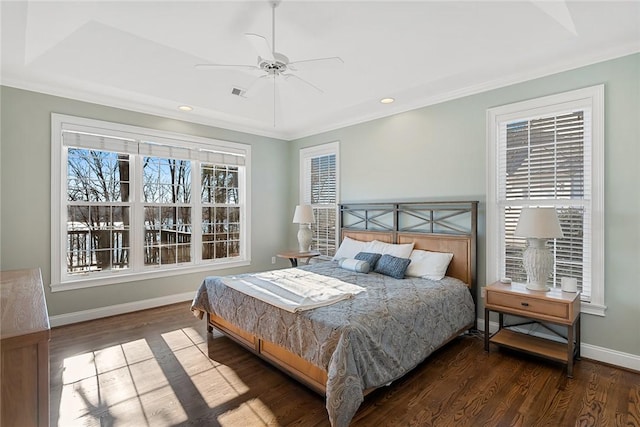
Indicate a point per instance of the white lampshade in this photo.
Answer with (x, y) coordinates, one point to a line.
(303, 215)
(539, 223)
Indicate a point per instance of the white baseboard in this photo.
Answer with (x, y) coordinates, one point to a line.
(589, 351)
(612, 357)
(112, 310)
(601, 354)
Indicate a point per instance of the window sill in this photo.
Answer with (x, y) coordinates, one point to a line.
(153, 273)
(594, 309)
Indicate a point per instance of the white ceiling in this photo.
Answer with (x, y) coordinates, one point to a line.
(141, 55)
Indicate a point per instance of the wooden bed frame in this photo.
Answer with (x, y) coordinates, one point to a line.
(462, 266)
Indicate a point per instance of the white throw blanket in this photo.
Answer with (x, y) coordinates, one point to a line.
(292, 289)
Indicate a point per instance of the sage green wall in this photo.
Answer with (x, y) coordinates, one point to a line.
(439, 152)
(25, 196)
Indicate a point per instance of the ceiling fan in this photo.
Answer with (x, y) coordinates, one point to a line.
(272, 64)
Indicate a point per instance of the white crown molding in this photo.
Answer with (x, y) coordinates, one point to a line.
(147, 105)
(139, 104)
(589, 351)
(613, 53)
(112, 310)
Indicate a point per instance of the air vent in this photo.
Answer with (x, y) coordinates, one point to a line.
(237, 91)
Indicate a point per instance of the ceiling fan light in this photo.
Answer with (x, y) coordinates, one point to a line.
(387, 100)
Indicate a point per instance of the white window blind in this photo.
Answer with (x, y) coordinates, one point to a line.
(99, 142)
(549, 152)
(319, 188)
(543, 162)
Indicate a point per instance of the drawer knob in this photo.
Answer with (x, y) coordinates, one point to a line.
(525, 304)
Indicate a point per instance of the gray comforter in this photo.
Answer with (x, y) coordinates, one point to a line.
(367, 341)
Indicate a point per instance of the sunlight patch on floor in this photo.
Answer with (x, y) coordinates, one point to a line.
(77, 400)
(214, 381)
(78, 367)
(162, 407)
(121, 385)
(250, 413)
(134, 383)
(177, 339)
(136, 351)
(148, 376)
(195, 335)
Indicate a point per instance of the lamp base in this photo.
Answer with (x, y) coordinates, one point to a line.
(537, 287)
(305, 237)
(538, 263)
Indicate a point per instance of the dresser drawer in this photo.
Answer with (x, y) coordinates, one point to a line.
(526, 304)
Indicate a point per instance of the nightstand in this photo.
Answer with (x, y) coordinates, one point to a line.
(553, 307)
(294, 256)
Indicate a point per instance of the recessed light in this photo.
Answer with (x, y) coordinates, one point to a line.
(185, 108)
(387, 100)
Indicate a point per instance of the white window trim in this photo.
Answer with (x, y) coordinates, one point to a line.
(317, 151)
(594, 97)
(58, 191)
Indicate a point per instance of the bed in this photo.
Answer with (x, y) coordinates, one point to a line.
(347, 349)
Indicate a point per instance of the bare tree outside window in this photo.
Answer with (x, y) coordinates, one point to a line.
(130, 202)
(167, 211)
(220, 211)
(98, 211)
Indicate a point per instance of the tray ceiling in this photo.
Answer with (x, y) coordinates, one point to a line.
(141, 55)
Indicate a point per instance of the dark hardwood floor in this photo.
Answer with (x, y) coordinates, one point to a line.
(159, 368)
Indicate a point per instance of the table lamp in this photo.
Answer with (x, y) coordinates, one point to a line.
(538, 225)
(304, 216)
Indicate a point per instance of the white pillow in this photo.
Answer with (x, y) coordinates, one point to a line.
(397, 250)
(428, 265)
(349, 248)
(356, 265)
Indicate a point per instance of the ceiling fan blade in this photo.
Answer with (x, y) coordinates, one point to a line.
(218, 66)
(332, 60)
(256, 85)
(299, 79)
(261, 45)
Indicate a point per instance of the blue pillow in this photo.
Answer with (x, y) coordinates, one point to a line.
(370, 257)
(392, 266)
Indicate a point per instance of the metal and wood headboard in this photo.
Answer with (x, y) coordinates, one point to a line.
(433, 226)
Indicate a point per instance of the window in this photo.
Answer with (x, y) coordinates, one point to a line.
(98, 220)
(221, 211)
(549, 152)
(131, 203)
(319, 187)
(166, 194)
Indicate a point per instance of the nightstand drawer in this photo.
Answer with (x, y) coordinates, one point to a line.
(529, 305)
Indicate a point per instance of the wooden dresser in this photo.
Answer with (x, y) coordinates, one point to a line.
(24, 332)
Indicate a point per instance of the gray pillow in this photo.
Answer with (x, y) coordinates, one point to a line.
(370, 257)
(392, 266)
